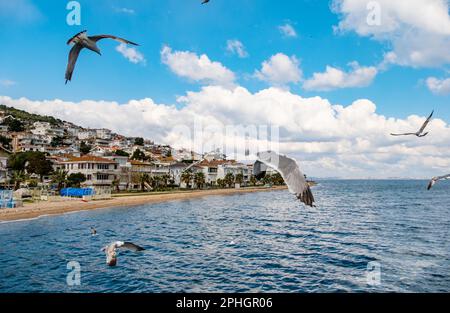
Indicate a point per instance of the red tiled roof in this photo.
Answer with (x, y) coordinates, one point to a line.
(89, 158)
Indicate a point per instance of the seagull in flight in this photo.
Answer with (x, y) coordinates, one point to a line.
(111, 250)
(420, 132)
(434, 180)
(82, 40)
(289, 170)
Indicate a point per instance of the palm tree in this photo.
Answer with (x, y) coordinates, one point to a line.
(267, 179)
(143, 179)
(18, 178)
(277, 179)
(239, 179)
(59, 177)
(115, 184)
(253, 180)
(221, 183)
(229, 179)
(186, 177)
(199, 180)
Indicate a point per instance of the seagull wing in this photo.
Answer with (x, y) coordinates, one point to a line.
(434, 180)
(405, 134)
(129, 245)
(100, 37)
(291, 174)
(73, 56)
(426, 123)
(259, 170)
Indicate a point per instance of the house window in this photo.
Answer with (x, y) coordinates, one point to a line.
(89, 177)
(102, 176)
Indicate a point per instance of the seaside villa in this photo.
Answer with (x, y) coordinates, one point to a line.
(98, 171)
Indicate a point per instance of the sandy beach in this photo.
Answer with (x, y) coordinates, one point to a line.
(33, 210)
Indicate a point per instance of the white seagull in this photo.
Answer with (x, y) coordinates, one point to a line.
(420, 132)
(80, 41)
(111, 250)
(289, 170)
(434, 180)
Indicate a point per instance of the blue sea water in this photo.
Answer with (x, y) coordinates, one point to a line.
(260, 242)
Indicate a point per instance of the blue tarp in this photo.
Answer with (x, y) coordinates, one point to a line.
(6, 199)
(76, 192)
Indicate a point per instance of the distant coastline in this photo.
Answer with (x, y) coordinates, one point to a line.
(40, 209)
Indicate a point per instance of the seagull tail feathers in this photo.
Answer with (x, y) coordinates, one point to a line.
(307, 197)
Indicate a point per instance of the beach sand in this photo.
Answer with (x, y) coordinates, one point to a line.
(33, 210)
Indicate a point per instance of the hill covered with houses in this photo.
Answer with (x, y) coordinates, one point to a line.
(47, 152)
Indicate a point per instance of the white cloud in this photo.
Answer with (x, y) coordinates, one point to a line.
(197, 68)
(131, 54)
(237, 47)
(280, 70)
(7, 83)
(438, 86)
(334, 78)
(418, 31)
(328, 140)
(287, 30)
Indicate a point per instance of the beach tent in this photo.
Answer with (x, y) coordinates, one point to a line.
(76, 192)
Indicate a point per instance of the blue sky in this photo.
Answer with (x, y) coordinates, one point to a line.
(337, 77)
(36, 53)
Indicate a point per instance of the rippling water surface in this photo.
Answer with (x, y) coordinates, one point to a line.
(244, 243)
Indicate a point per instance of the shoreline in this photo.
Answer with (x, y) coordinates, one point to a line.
(43, 208)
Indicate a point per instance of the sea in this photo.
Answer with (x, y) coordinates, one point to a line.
(363, 236)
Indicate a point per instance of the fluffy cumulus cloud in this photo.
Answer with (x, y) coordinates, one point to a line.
(131, 54)
(334, 78)
(197, 68)
(280, 70)
(417, 30)
(287, 30)
(237, 47)
(328, 140)
(438, 86)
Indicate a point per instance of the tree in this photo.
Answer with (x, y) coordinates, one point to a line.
(199, 180)
(138, 155)
(253, 180)
(186, 177)
(122, 153)
(38, 164)
(57, 141)
(18, 177)
(221, 183)
(85, 148)
(239, 179)
(76, 179)
(14, 125)
(267, 179)
(277, 179)
(229, 179)
(5, 142)
(115, 184)
(139, 141)
(59, 177)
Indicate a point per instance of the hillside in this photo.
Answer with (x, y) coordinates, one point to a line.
(29, 118)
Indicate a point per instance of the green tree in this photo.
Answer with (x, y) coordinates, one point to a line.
(14, 125)
(5, 142)
(18, 177)
(139, 141)
(59, 177)
(186, 177)
(38, 164)
(253, 180)
(85, 148)
(57, 141)
(143, 179)
(76, 179)
(267, 179)
(277, 179)
(239, 179)
(221, 183)
(229, 179)
(122, 153)
(199, 180)
(138, 155)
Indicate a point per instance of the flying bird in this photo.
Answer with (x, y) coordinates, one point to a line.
(80, 41)
(434, 180)
(111, 250)
(290, 172)
(420, 132)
